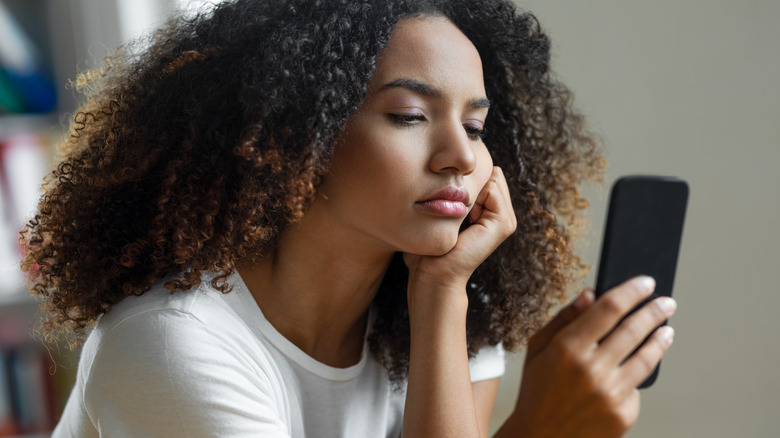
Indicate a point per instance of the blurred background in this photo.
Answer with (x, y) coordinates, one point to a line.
(690, 88)
(672, 88)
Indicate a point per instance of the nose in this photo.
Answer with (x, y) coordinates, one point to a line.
(453, 151)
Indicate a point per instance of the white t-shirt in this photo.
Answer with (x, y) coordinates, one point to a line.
(205, 364)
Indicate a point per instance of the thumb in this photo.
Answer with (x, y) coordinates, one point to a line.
(565, 316)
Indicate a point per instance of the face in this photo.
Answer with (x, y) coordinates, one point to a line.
(411, 161)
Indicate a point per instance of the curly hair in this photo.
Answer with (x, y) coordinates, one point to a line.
(197, 152)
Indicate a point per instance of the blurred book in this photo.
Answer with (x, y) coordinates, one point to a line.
(30, 389)
(9, 260)
(24, 161)
(26, 83)
(7, 420)
(34, 381)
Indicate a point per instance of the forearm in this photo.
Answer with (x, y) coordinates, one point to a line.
(439, 400)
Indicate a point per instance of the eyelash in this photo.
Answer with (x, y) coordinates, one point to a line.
(407, 120)
(475, 133)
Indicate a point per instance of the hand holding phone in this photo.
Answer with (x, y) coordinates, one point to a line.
(580, 372)
(642, 235)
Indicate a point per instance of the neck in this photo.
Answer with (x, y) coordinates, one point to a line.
(316, 287)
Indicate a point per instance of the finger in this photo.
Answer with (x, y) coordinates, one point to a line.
(610, 308)
(501, 180)
(566, 315)
(492, 221)
(639, 366)
(632, 331)
(483, 197)
(411, 260)
(475, 213)
(493, 202)
(504, 190)
(479, 203)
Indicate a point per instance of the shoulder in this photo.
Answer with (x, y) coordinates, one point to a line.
(184, 331)
(183, 359)
(160, 324)
(199, 303)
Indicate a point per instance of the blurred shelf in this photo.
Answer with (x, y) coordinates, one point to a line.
(20, 123)
(18, 296)
(71, 35)
(13, 292)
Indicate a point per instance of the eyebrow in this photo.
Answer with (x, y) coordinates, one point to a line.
(426, 90)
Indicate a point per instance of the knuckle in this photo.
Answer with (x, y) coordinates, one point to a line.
(621, 422)
(612, 305)
(633, 287)
(562, 347)
(509, 228)
(591, 377)
(576, 364)
(605, 398)
(565, 350)
(584, 369)
(634, 330)
(646, 361)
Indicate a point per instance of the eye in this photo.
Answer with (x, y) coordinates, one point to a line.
(406, 119)
(474, 132)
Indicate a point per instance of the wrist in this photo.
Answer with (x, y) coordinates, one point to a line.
(436, 299)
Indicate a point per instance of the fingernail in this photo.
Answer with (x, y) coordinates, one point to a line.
(668, 305)
(645, 282)
(666, 333)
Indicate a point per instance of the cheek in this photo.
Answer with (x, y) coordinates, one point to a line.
(484, 166)
(374, 165)
(369, 147)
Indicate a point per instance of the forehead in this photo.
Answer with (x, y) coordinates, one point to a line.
(433, 50)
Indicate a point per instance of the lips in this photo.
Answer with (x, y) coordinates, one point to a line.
(450, 201)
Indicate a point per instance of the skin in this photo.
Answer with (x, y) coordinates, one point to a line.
(416, 133)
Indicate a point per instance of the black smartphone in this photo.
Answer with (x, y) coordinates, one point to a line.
(642, 235)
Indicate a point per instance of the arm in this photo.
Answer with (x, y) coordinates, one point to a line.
(440, 401)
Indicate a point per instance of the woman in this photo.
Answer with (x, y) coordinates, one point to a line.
(300, 218)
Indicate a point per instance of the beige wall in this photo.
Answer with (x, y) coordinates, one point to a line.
(690, 88)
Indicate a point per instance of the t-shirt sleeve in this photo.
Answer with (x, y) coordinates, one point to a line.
(488, 363)
(165, 373)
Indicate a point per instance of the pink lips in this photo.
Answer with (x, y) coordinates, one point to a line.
(449, 201)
